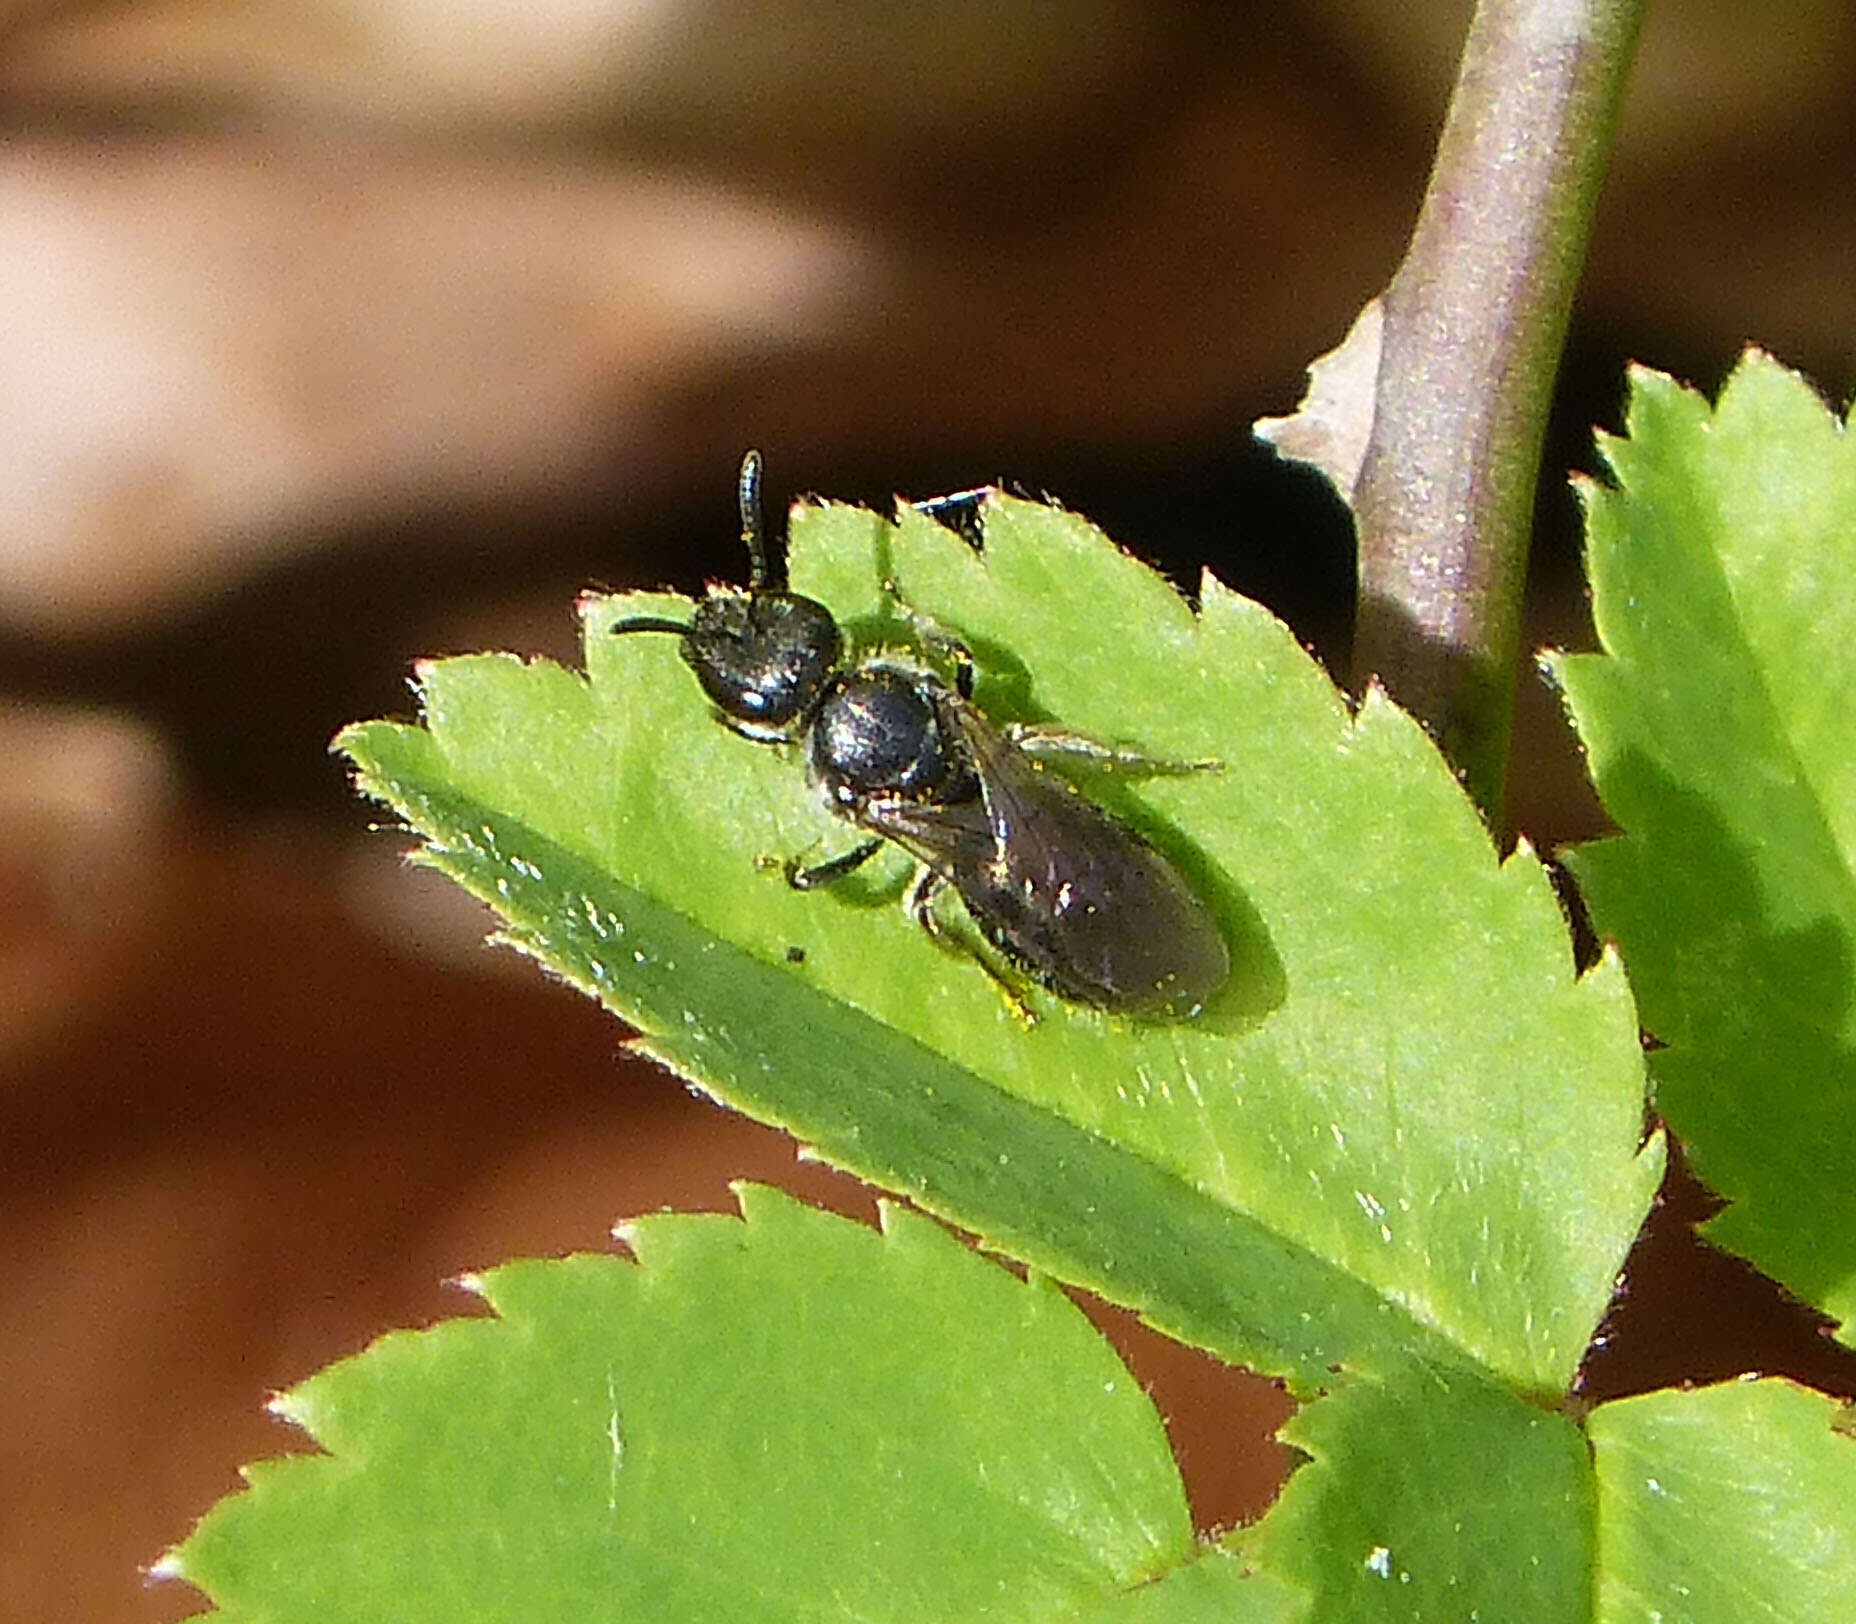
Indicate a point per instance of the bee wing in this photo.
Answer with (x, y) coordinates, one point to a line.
(1077, 894)
(1020, 795)
(1025, 831)
(1052, 846)
(952, 840)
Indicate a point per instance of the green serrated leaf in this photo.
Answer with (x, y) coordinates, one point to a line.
(1734, 1504)
(1723, 571)
(1405, 1125)
(1432, 1494)
(785, 1418)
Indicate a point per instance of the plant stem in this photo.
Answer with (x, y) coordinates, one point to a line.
(1474, 320)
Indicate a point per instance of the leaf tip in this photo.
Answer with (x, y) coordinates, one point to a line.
(293, 1407)
(762, 1204)
(1608, 974)
(1588, 489)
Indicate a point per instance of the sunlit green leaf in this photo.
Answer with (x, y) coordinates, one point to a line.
(787, 1418)
(1732, 1505)
(1717, 722)
(1405, 1125)
(1433, 1494)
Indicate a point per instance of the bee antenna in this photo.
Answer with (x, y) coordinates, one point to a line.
(762, 575)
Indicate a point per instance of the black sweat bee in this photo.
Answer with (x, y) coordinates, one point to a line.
(1065, 892)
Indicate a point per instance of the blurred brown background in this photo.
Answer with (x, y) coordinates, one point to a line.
(337, 334)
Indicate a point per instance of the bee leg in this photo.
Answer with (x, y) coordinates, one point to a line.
(919, 901)
(810, 876)
(1038, 740)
